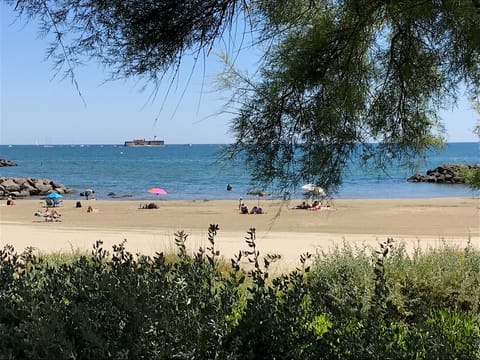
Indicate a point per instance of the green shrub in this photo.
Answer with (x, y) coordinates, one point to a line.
(342, 283)
(472, 178)
(451, 332)
(349, 303)
(442, 278)
(279, 321)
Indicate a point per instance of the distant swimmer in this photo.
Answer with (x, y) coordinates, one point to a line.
(229, 187)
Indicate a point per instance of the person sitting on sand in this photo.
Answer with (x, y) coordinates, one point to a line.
(256, 210)
(10, 201)
(90, 209)
(316, 205)
(244, 209)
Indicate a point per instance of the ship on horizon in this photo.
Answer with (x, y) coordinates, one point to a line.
(143, 142)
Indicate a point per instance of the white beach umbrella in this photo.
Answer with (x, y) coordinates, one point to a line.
(308, 187)
(313, 191)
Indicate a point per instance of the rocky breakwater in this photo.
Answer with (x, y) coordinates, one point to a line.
(5, 162)
(24, 187)
(445, 174)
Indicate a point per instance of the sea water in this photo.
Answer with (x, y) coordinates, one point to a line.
(195, 172)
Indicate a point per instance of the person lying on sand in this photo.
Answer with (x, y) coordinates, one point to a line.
(49, 214)
(303, 205)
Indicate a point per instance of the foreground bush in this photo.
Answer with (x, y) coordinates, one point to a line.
(345, 304)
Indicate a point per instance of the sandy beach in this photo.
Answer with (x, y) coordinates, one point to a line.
(281, 230)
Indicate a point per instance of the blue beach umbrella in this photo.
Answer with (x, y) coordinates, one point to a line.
(54, 195)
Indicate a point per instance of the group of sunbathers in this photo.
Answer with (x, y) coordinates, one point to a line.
(49, 214)
(255, 209)
(316, 205)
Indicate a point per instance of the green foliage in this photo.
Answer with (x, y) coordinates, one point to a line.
(341, 282)
(130, 38)
(454, 333)
(472, 178)
(349, 303)
(106, 306)
(476, 105)
(438, 279)
(343, 75)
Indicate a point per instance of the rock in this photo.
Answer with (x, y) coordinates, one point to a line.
(5, 162)
(24, 187)
(43, 188)
(415, 178)
(444, 174)
(56, 184)
(23, 193)
(114, 195)
(10, 185)
(31, 189)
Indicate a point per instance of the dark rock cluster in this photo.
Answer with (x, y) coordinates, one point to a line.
(5, 162)
(444, 174)
(23, 187)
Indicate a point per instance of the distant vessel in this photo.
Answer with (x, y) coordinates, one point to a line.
(143, 142)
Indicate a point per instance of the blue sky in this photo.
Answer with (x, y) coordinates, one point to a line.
(36, 107)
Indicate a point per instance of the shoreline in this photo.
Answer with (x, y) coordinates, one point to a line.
(427, 222)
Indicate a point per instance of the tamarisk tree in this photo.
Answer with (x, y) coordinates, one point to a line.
(338, 79)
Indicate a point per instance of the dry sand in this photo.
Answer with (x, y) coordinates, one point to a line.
(281, 230)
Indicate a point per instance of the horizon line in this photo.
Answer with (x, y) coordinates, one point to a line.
(183, 144)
